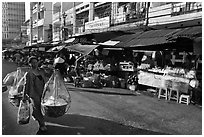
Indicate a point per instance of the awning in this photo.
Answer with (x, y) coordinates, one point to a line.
(120, 40)
(69, 40)
(152, 37)
(83, 49)
(55, 43)
(110, 43)
(56, 49)
(190, 32)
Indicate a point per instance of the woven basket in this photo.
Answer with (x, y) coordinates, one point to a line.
(55, 111)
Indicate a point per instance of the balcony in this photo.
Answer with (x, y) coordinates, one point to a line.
(57, 4)
(56, 18)
(42, 5)
(175, 13)
(35, 8)
(35, 23)
(56, 36)
(40, 22)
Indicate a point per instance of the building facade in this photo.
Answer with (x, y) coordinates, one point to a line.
(71, 19)
(13, 16)
(41, 21)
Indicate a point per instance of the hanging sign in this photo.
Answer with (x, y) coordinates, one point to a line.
(98, 24)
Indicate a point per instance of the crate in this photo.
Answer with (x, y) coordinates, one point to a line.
(182, 87)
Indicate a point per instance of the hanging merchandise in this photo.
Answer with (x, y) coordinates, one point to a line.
(56, 99)
(23, 112)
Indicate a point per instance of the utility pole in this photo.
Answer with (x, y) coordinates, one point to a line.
(31, 24)
(147, 13)
(64, 15)
(74, 19)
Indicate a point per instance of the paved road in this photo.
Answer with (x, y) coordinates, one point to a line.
(110, 112)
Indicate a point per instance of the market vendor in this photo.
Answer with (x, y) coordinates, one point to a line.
(77, 66)
(148, 60)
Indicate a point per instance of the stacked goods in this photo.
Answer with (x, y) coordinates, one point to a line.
(132, 82)
(56, 99)
(110, 81)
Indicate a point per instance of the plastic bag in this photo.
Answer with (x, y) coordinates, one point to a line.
(56, 99)
(23, 112)
(16, 90)
(9, 78)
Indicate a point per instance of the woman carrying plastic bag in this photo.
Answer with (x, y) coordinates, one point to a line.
(34, 85)
(15, 82)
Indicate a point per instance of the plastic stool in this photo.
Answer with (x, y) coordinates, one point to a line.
(163, 93)
(173, 97)
(184, 99)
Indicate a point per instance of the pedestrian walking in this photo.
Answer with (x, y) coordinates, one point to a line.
(35, 81)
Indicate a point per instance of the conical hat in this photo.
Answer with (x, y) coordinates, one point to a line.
(59, 60)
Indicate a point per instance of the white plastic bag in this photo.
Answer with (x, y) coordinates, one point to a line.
(9, 78)
(16, 90)
(23, 116)
(56, 99)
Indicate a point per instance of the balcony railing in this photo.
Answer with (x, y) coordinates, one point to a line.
(35, 8)
(40, 22)
(56, 17)
(186, 8)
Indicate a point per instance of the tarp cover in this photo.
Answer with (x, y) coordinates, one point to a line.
(189, 32)
(83, 49)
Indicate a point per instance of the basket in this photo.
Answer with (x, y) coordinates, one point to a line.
(56, 99)
(55, 111)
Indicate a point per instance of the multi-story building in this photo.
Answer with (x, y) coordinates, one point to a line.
(76, 18)
(174, 14)
(41, 21)
(13, 16)
(63, 16)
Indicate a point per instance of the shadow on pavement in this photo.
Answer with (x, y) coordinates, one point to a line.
(74, 124)
(101, 91)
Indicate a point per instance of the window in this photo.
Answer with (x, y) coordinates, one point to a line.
(185, 8)
(86, 6)
(77, 10)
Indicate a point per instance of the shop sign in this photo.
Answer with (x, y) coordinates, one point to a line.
(98, 24)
